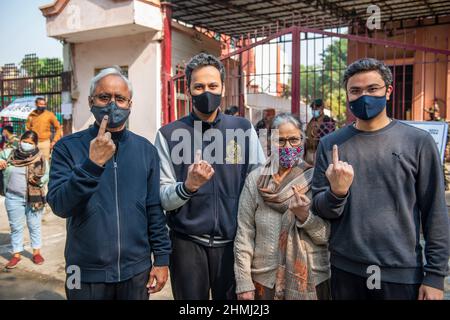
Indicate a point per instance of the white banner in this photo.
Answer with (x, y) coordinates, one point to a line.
(437, 129)
(19, 108)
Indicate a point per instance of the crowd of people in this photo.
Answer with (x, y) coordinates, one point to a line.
(324, 214)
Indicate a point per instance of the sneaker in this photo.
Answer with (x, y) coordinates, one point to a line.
(38, 259)
(13, 262)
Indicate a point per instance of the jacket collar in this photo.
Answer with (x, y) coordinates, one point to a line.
(193, 117)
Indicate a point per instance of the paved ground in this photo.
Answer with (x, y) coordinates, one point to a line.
(29, 281)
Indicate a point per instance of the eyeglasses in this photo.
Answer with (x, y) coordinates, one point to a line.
(371, 90)
(103, 99)
(293, 141)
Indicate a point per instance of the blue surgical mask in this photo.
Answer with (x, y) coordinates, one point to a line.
(367, 107)
(27, 147)
(316, 113)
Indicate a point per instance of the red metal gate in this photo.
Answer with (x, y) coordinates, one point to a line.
(276, 67)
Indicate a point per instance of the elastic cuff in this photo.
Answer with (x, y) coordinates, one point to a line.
(434, 280)
(244, 286)
(183, 192)
(307, 221)
(335, 199)
(161, 260)
(92, 168)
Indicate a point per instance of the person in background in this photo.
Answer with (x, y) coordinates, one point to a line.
(10, 139)
(25, 171)
(434, 111)
(281, 246)
(232, 111)
(266, 121)
(263, 129)
(318, 127)
(41, 121)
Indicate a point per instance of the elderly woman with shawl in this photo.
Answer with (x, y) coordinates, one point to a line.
(281, 247)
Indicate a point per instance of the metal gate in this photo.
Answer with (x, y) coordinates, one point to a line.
(286, 67)
(32, 77)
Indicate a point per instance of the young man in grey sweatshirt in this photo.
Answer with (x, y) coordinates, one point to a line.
(380, 183)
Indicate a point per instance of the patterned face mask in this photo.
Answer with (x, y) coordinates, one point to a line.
(289, 156)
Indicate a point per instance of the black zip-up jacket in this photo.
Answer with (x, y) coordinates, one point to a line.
(210, 215)
(114, 216)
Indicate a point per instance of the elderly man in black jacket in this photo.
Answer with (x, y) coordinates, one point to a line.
(105, 181)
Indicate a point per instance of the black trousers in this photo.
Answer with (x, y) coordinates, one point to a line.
(131, 289)
(196, 269)
(348, 286)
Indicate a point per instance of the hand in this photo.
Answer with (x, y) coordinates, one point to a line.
(160, 275)
(430, 293)
(102, 148)
(340, 175)
(52, 144)
(249, 295)
(300, 205)
(3, 164)
(198, 173)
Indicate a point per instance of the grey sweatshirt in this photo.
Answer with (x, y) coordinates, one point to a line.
(397, 189)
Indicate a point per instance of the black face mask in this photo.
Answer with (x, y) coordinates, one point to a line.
(40, 109)
(117, 116)
(207, 102)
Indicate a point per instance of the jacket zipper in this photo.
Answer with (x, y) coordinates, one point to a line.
(211, 238)
(117, 214)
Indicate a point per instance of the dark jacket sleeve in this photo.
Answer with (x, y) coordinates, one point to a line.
(158, 232)
(434, 214)
(70, 184)
(325, 204)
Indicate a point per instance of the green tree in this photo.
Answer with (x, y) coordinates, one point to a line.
(324, 81)
(334, 63)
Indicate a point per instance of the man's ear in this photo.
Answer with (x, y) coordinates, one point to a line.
(188, 92)
(90, 101)
(223, 90)
(388, 92)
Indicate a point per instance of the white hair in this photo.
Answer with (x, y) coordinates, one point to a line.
(106, 72)
(283, 118)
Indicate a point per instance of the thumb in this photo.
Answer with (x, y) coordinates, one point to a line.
(421, 294)
(151, 280)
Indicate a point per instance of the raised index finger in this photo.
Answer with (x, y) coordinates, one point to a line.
(198, 156)
(335, 155)
(103, 125)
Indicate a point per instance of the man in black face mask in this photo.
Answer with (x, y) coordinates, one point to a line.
(105, 181)
(379, 189)
(201, 196)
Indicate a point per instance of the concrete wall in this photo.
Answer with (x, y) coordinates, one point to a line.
(142, 56)
(83, 20)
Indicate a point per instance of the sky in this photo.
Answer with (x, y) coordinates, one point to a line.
(22, 31)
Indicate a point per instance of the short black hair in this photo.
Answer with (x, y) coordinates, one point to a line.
(368, 64)
(40, 99)
(317, 103)
(232, 110)
(9, 129)
(203, 60)
(30, 134)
